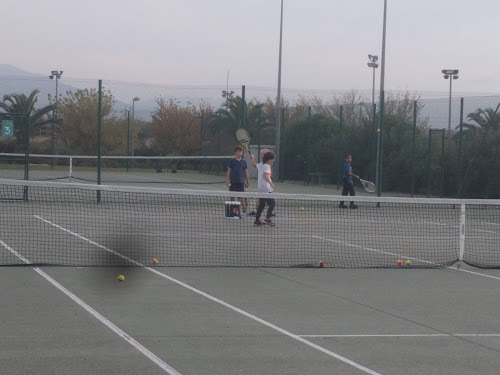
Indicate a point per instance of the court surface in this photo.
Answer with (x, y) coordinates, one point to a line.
(66, 320)
(242, 320)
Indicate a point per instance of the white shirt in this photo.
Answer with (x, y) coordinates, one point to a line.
(262, 185)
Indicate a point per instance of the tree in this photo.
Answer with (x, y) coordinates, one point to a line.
(483, 136)
(236, 114)
(175, 130)
(79, 135)
(20, 103)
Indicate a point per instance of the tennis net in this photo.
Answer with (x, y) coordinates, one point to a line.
(117, 169)
(55, 223)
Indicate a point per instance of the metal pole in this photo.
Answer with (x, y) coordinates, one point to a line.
(429, 164)
(442, 162)
(27, 150)
(218, 140)
(277, 134)
(460, 145)
(282, 146)
(378, 177)
(99, 138)
(243, 103)
(201, 137)
(339, 163)
(449, 109)
(128, 137)
(413, 148)
(27, 155)
(57, 103)
(133, 121)
(373, 86)
(374, 137)
(307, 159)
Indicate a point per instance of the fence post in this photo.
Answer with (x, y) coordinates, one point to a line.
(339, 162)
(99, 138)
(460, 145)
(413, 148)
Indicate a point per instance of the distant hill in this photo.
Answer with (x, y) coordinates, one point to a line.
(10, 70)
(17, 81)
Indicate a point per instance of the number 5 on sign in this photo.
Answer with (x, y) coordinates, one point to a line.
(7, 128)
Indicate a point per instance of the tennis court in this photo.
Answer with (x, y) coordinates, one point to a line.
(269, 310)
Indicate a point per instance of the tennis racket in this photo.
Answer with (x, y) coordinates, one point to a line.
(369, 186)
(244, 138)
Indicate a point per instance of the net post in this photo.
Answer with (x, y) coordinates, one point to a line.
(70, 167)
(462, 232)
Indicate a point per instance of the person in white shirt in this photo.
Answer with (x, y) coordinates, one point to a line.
(254, 164)
(265, 185)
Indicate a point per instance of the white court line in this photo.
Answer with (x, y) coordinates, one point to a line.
(405, 257)
(229, 306)
(164, 366)
(374, 250)
(412, 335)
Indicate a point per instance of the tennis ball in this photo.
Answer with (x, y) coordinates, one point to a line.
(155, 261)
(121, 278)
(321, 264)
(302, 208)
(408, 262)
(400, 262)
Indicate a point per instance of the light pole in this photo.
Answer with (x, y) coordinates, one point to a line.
(373, 64)
(380, 130)
(57, 75)
(136, 99)
(226, 93)
(277, 133)
(450, 74)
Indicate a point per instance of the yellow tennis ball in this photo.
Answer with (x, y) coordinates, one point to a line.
(408, 262)
(121, 278)
(302, 208)
(155, 261)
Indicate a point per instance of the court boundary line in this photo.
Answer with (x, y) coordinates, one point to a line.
(405, 257)
(223, 303)
(410, 335)
(126, 337)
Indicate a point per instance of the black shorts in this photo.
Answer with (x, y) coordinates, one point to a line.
(237, 187)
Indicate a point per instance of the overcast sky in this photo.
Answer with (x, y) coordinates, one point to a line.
(196, 42)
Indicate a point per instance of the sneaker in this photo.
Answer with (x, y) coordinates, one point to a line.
(342, 205)
(269, 222)
(253, 213)
(353, 206)
(257, 222)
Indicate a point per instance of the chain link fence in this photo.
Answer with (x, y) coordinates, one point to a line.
(424, 150)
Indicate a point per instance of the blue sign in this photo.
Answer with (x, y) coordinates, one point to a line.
(7, 128)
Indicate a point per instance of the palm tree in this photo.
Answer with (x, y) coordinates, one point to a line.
(237, 113)
(483, 121)
(22, 104)
(484, 131)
